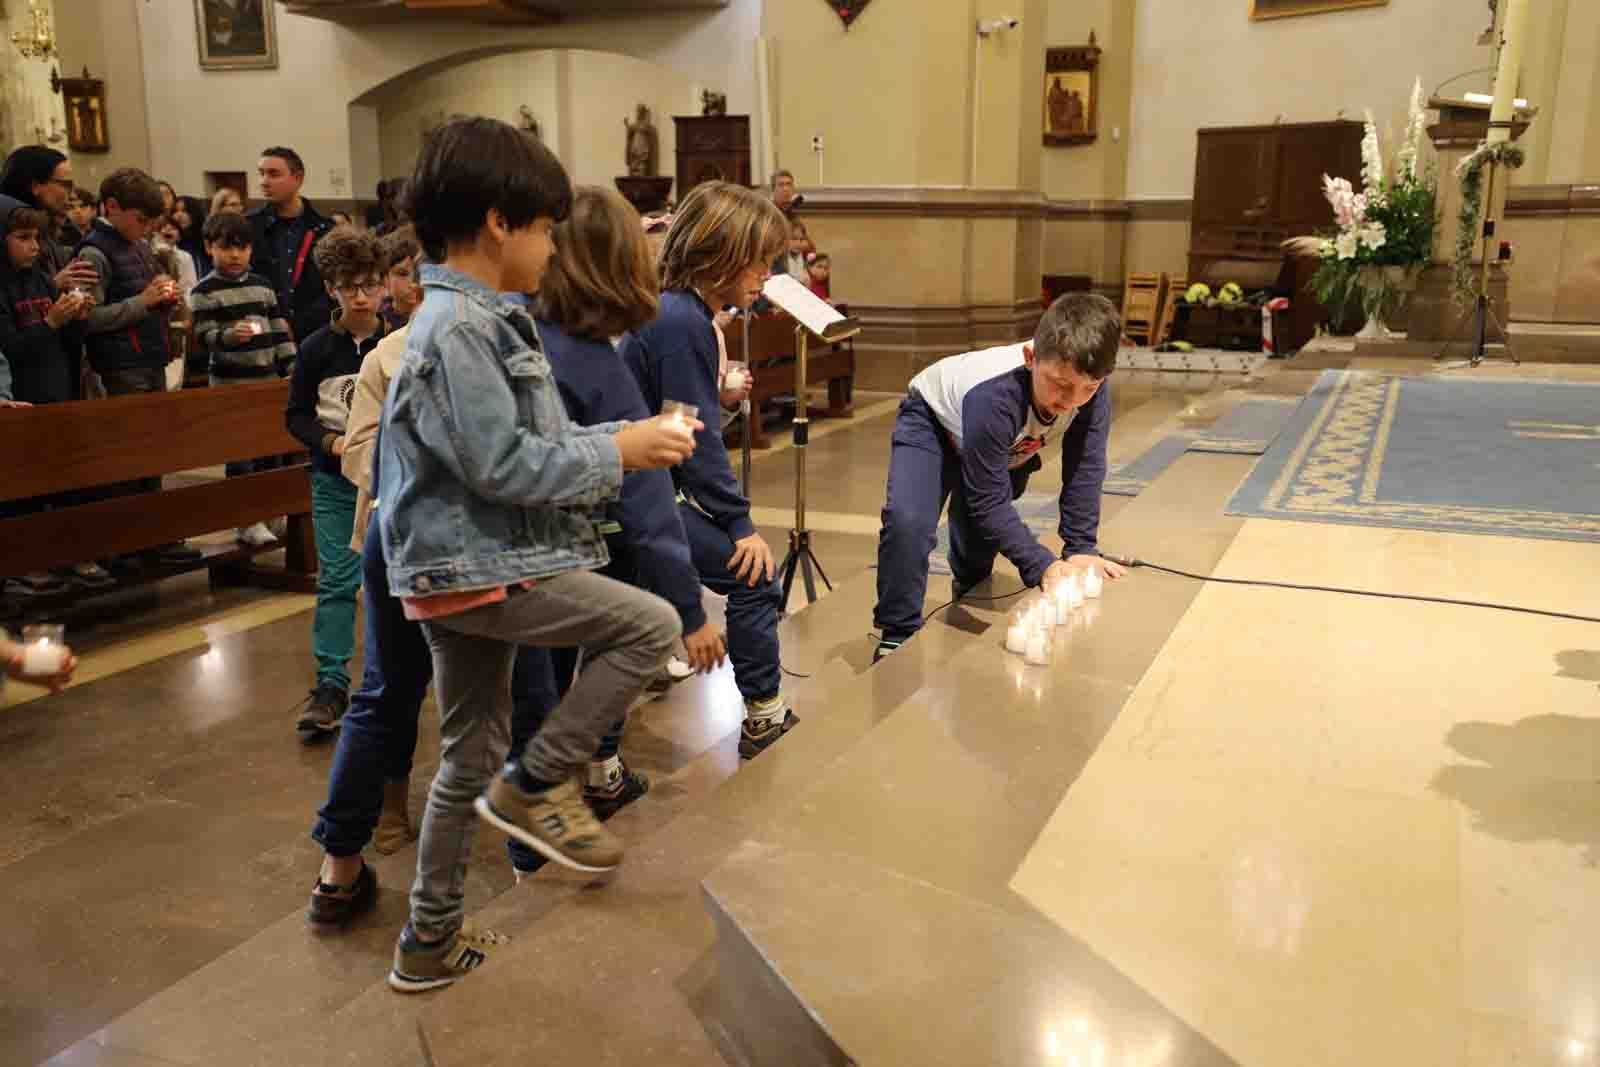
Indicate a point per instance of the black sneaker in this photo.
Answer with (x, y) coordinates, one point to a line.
(334, 905)
(755, 740)
(885, 648)
(607, 802)
(88, 575)
(179, 552)
(324, 707)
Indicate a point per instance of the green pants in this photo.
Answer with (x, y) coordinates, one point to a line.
(333, 631)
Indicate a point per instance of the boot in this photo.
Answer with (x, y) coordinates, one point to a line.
(394, 825)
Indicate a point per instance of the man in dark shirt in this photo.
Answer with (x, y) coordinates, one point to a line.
(287, 230)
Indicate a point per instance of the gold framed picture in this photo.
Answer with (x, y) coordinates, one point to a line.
(1072, 94)
(1283, 9)
(236, 34)
(85, 102)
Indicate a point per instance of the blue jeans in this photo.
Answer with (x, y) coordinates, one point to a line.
(333, 627)
(924, 473)
(752, 613)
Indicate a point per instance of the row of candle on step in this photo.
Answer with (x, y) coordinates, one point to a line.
(1032, 627)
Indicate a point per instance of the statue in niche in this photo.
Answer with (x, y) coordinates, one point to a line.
(713, 103)
(641, 144)
(528, 122)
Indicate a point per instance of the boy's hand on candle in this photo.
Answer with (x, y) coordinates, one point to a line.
(736, 389)
(158, 292)
(1055, 574)
(66, 308)
(80, 272)
(239, 333)
(1108, 570)
(706, 648)
(752, 559)
(653, 444)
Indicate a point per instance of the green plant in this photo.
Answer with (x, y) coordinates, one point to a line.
(1470, 171)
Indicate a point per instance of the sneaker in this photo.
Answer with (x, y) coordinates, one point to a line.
(334, 905)
(762, 727)
(179, 552)
(394, 831)
(39, 583)
(554, 822)
(89, 575)
(885, 648)
(323, 709)
(256, 536)
(609, 799)
(419, 967)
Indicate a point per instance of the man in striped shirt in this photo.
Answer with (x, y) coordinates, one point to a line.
(238, 325)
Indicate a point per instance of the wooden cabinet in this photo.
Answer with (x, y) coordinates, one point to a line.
(712, 148)
(1257, 186)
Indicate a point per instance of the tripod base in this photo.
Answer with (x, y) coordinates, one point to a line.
(1479, 317)
(800, 559)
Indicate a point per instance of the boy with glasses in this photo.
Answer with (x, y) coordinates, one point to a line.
(320, 392)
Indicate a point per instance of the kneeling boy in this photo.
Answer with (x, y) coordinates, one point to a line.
(970, 432)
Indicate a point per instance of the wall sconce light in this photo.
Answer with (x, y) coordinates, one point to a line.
(40, 42)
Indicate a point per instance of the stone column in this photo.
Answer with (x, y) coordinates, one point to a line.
(1434, 313)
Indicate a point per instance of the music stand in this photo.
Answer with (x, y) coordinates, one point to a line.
(1481, 314)
(816, 318)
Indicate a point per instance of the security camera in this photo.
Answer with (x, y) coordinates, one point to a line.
(988, 27)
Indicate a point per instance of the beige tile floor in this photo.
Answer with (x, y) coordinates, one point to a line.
(1375, 823)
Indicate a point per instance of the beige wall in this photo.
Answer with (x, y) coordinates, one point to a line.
(604, 89)
(494, 85)
(1099, 170)
(220, 121)
(1207, 64)
(90, 33)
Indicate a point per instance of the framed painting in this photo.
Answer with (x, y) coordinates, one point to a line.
(85, 102)
(236, 34)
(1282, 9)
(1072, 94)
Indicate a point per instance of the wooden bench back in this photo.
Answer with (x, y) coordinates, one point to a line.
(61, 448)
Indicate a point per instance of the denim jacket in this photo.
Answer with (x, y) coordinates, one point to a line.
(486, 481)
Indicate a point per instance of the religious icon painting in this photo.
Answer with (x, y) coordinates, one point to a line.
(236, 34)
(848, 10)
(1072, 94)
(85, 102)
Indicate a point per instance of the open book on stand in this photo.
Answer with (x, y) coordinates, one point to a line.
(810, 310)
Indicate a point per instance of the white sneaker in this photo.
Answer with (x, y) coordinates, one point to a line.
(256, 535)
(678, 669)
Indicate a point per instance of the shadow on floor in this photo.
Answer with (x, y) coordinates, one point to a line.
(1532, 781)
(1580, 663)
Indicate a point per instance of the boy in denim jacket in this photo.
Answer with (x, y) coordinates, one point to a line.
(489, 518)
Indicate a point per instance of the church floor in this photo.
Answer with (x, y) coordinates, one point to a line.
(1247, 826)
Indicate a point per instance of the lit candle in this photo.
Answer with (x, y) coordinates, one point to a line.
(1017, 636)
(1038, 651)
(43, 658)
(1093, 584)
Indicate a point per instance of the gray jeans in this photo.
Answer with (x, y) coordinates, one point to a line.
(627, 636)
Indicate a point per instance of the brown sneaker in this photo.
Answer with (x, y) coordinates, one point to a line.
(419, 967)
(394, 831)
(556, 823)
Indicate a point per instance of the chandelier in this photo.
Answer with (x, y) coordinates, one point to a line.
(40, 43)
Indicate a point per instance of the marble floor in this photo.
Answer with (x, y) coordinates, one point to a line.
(1234, 826)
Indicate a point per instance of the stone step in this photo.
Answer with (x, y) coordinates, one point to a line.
(878, 920)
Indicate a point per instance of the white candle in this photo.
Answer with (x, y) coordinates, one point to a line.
(1017, 638)
(1093, 584)
(733, 380)
(1513, 30)
(255, 327)
(1038, 652)
(43, 658)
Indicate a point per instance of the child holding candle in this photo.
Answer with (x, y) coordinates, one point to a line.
(318, 412)
(969, 432)
(490, 497)
(717, 253)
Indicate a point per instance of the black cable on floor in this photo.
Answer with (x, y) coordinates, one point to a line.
(1376, 594)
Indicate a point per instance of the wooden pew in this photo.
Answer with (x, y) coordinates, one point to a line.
(771, 360)
(62, 448)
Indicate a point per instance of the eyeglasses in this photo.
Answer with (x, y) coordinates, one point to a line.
(363, 289)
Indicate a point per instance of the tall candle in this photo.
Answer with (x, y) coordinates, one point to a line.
(1512, 32)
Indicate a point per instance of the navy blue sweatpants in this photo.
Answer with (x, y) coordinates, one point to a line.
(925, 473)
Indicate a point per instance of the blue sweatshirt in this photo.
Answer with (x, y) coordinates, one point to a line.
(991, 421)
(597, 388)
(676, 358)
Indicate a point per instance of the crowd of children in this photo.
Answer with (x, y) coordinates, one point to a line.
(478, 392)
